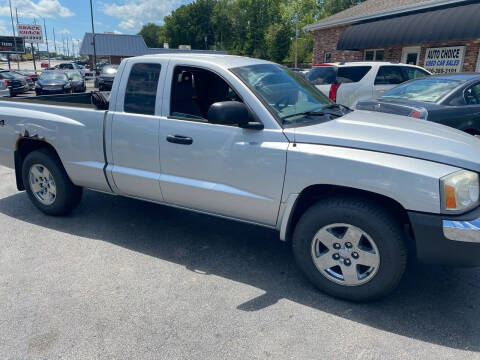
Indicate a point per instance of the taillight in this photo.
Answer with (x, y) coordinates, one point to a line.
(416, 114)
(6, 83)
(333, 92)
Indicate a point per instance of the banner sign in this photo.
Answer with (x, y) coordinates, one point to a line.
(31, 33)
(12, 45)
(444, 60)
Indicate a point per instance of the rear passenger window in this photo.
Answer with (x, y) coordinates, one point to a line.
(141, 91)
(322, 75)
(352, 74)
(389, 75)
(325, 75)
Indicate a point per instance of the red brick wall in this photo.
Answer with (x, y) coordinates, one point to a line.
(326, 41)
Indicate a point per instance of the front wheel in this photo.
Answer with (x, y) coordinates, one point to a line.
(350, 248)
(48, 185)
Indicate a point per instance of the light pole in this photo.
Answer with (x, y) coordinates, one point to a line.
(14, 38)
(93, 40)
(46, 39)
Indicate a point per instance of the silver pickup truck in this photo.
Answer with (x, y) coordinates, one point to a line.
(355, 192)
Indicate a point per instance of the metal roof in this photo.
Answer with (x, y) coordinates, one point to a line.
(372, 9)
(457, 23)
(125, 45)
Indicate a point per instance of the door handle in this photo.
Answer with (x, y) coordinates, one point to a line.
(180, 139)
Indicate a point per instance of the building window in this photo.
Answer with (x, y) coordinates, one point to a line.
(327, 57)
(374, 55)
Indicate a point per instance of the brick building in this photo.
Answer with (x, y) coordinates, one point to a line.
(440, 35)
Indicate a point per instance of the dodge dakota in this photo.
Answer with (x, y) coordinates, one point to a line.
(355, 192)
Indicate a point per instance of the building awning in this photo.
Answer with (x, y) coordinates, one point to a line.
(446, 24)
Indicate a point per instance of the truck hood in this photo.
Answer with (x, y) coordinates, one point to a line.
(394, 134)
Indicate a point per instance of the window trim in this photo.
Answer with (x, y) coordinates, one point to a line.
(203, 120)
(374, 54)
(156, 90)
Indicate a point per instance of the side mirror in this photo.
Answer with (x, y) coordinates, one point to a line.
(232, 113)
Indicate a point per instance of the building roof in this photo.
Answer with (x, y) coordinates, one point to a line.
(372, 9)
(124, 46)
(114, 45)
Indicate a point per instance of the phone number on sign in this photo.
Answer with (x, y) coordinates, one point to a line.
(442, 71)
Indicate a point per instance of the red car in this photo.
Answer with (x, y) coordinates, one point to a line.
(30, 75)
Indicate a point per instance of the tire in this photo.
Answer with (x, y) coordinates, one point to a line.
(67, 195)
(381, 245)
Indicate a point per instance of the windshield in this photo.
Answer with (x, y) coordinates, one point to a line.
(284, 92)
(429, 90)
(75, 75)
(109, 70)
(53, 76)
(9, 75)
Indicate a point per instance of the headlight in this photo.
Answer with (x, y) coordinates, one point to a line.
(460, 191)
(37, 85)
(67, 85)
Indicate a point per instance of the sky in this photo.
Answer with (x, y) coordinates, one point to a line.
(71, 18)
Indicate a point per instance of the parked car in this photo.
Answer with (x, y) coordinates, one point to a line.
(82, 61)
(53, 82)
(451, 99)
(4, 91)
(105, 79)
(17, 84)
(76, 80)
(348, 82)
(30, 76)
(71, 66)
(249, 140)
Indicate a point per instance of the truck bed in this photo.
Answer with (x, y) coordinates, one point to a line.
(79, 100)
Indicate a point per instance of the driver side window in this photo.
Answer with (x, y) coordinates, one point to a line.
(472, 95)
(194, 90)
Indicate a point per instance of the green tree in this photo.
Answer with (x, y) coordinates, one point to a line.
(191, 25)
(277, 41)
(153, 35)
(334, 6)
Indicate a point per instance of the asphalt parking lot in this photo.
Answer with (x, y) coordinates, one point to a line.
(123, 279)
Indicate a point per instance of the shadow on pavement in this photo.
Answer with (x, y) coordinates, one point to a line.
(433, 304)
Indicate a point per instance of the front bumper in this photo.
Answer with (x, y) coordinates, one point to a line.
(447, 240)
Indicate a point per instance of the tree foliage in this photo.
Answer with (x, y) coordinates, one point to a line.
(259, 28)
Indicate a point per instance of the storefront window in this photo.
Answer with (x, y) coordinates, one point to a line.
(374, 55)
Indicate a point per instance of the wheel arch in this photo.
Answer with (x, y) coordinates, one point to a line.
(314, 193)
(25, 146)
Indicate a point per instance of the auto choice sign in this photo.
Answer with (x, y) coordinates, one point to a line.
(445, 59)
(31, 33)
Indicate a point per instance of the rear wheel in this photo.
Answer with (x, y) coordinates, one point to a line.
(48, 185)
(350, 248)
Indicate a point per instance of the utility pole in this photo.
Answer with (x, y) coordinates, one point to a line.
(93, 40)
(296, 42)
(46, 39)
(55, 43)
(13, 31)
